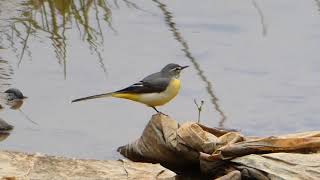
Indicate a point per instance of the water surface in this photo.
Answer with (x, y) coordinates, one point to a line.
(254, 63)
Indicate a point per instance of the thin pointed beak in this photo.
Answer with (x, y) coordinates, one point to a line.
(183, 67)
(25, 97)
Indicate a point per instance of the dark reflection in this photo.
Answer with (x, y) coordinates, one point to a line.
(318, 4)
(262, 19)
(5, 77)
(6, 73)
(4, 135)
(133, 5)
(185, 48)
(52, 19)
(5, 129)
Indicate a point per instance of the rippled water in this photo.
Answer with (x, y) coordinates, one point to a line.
(255, 64)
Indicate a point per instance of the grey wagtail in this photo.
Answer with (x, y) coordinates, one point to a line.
(154, 90)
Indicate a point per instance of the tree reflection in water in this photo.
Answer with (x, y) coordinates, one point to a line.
(55, 18)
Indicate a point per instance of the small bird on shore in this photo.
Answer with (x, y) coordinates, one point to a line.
(154, 90)
(12, 97)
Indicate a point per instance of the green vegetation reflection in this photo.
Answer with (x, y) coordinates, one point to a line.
(55, 18)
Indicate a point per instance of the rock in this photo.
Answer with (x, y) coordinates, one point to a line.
(17, 165)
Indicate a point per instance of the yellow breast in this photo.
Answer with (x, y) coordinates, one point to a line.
(173, 88)
(154, 99)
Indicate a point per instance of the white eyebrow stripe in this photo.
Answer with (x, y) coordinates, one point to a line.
(174, 69)
(139, 84)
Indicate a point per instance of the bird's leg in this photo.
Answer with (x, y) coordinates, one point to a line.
(158, 111)
(155, 109)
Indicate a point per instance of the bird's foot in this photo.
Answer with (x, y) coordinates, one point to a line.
(163, 113)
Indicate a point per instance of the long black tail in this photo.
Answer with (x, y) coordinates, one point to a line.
(93, 97)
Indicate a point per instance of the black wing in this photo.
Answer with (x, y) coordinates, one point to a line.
(154, 83)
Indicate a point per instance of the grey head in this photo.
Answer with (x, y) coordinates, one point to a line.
(13, 94)
(172, 70)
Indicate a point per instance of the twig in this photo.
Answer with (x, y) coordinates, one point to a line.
(199, 108)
